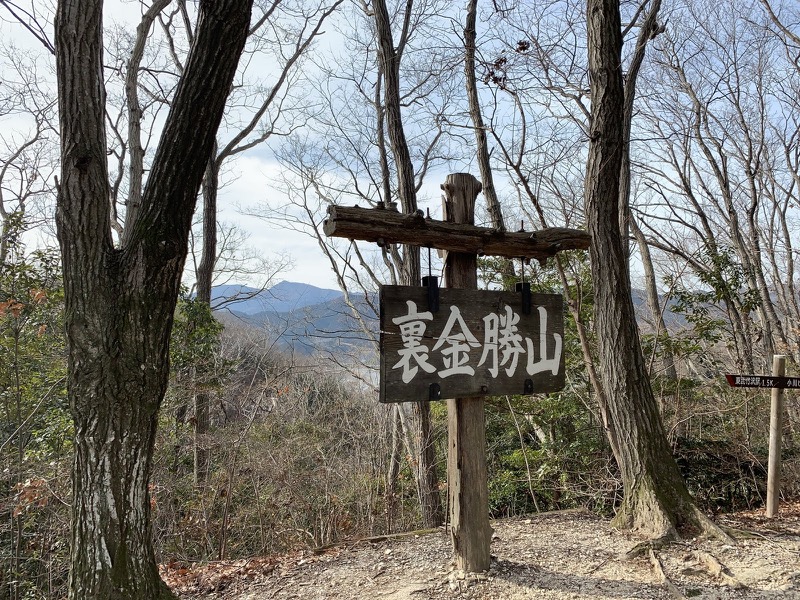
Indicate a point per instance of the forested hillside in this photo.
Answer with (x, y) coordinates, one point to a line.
(164, 399)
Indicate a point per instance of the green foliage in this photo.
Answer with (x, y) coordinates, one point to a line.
(195, 341)
(497, 273)
(545, 453)
(721, 475)
(548, 451)
(36, 430)
(722, 280)
(197, 365)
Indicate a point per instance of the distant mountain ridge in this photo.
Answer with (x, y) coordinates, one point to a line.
(284, 297)
(302, 318)
(305, 318)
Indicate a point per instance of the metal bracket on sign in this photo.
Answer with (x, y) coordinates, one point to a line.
(525, 288)
(435, 391)
(528, 386)
(432, 283)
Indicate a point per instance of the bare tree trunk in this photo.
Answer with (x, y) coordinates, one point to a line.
(389, 56)
(431, 503)
(394, 466)
(482, 146)
(205, 276)
(649, 28)
(481, 142)
(133, 203)
(656, 500)
(5, 232)
(654, 304)
(120, 301)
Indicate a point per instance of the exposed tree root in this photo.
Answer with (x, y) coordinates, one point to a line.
(651, 545)
(739, 533)
(665, 581)
(657, 521)
(695, 521)
(718, 570)
(711, 529)
(706, 526)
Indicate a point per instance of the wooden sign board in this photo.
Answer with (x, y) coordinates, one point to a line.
(763, 381)
(478, 343)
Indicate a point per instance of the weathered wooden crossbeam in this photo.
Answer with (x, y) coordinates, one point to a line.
(384, 226)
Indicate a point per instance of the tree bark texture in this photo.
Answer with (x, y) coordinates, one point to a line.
(481, 143)
(655, 497)
(120, 301)
(467, 478)
(389, 64)
(395, 460)
(135, 150)
(647, 30)
(389, 57)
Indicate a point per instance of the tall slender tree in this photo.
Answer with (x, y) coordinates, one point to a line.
(656, 500)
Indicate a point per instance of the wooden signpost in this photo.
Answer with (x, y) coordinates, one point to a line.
(387, 226)
(777, 382)
(469, 345)
(764, 381)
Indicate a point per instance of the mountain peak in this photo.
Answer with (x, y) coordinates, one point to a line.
(285, 296)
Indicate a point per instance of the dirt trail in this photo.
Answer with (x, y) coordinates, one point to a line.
(564, 555)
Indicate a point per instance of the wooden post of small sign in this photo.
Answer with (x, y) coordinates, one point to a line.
(468, 491)
(775, 436)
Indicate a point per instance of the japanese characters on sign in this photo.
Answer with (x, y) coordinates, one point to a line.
(763, 381)
(479, 343)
